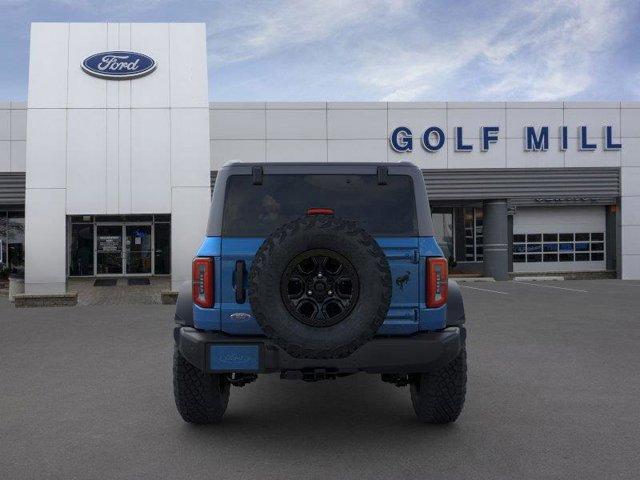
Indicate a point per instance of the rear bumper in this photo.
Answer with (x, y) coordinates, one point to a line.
(421, 352)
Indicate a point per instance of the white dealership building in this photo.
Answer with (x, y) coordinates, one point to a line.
(107, 167)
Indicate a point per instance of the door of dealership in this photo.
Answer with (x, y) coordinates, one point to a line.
(120, 245)
(123, 249)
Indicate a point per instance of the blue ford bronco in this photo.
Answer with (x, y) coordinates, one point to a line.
(318, 271)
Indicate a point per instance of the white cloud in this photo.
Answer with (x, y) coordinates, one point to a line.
(394, 49)
(106, 7)
(406, 50)
(546, 51)
(261, 29)
(562, 57)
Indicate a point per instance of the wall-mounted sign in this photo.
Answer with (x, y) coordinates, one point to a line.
(109, 243)
(566, 200)
(118, 65)
(535, 139)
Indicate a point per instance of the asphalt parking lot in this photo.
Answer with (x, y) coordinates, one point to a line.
(554, 392)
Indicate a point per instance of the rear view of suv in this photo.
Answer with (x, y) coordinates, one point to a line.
(318, 271)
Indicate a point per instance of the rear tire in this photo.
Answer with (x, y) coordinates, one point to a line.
(438, 397)
(200, 398)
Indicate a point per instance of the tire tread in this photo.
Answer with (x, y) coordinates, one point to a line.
(200, 398)
(338, 226)
(438, 397)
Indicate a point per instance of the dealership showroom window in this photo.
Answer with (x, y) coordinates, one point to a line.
(12, 241)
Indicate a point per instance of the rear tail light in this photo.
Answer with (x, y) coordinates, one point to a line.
(437, 282)
(202, 282)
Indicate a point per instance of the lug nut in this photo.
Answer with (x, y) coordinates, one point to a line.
(330, 292)
(319, 275)
(309, 292)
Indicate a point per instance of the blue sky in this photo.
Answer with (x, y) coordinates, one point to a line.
(363, 50)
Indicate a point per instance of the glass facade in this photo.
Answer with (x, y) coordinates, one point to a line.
(443, 228)
(473, 238)
(459, 231)
(138, 240)
(558, 247)
(11, 242)
(109, 249)
(81, 251)
(162, 251)
(114, 245)
(141, 244)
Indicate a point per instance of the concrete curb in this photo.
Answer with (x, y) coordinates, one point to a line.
(69, 299)
(168, 297)
(538, 278)
(608, 274)
(474, 279)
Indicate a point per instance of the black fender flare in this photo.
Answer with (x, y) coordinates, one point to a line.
(184, 306)
(455, 305)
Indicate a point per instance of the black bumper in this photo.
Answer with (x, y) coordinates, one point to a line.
(421, 352)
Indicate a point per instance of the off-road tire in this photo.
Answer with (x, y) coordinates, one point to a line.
(200, 398)
(438, 397)
(344, 237)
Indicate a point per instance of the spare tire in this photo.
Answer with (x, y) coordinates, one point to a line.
(320, 287)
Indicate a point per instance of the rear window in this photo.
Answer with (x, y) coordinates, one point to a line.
(257, 210)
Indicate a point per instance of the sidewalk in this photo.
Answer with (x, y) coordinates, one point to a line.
(121, 293)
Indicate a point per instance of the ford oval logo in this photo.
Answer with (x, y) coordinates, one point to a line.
(118, 65)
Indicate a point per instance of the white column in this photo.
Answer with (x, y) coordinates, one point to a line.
(630, 223)
(188, 224)
(190, 189)
(45, 204)
(190, 167)
(630, 199)
(45, 241)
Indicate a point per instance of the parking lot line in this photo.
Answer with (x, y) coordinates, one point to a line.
(484, 289)
(552, 286)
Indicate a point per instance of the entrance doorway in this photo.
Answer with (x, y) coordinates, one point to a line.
(138, 258)
(108, 253)
(124, 249)
(126, 245)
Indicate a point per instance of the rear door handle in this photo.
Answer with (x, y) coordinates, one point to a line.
(241, 294)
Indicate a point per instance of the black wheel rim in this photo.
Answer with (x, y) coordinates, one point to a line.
(319, 287)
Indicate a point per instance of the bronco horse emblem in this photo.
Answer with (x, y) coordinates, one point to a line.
(402, 281)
